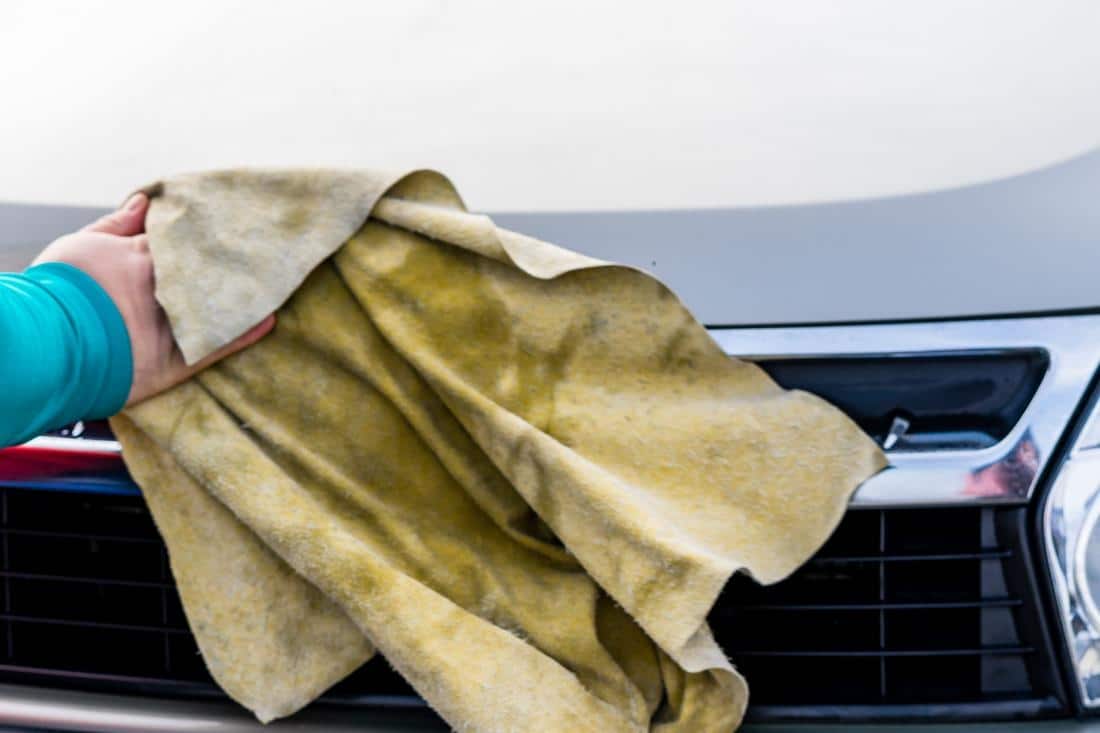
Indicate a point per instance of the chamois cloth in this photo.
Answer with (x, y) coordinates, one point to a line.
(520, 474)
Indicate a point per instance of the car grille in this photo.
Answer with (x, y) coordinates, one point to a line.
(901, 610)
(904, 613)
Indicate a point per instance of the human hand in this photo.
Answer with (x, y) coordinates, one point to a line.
(114, 251)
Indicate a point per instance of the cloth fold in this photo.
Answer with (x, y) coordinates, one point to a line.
(521, 474)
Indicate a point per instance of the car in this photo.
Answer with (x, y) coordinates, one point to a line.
(890, 205)
(959, 328)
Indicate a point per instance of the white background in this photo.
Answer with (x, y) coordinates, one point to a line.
(560, 105)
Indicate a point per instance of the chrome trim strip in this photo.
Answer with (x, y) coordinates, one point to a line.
(920, 478)
(964, 476)
(39, 708)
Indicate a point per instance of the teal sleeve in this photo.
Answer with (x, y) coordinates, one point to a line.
(64, 351)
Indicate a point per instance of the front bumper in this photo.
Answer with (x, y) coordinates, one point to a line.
(35, 709)
(38, 709)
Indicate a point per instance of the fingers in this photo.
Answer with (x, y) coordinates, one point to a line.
(127, 221)
(243, 341)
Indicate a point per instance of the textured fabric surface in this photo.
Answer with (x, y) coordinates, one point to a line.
(520, 474)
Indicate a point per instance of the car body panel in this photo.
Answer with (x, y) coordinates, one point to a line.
(1025, 244)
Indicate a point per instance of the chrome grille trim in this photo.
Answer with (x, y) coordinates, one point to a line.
(1072, 344)
(940, 478)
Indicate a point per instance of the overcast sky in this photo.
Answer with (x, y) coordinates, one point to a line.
(562, 105)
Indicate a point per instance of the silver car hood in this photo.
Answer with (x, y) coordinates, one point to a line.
(1026, 244)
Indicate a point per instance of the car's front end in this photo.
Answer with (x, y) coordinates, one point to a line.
(961, 329)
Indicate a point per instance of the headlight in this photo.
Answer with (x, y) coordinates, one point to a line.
(1071, 528)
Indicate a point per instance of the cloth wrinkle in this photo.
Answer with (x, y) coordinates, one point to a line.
(520, 474)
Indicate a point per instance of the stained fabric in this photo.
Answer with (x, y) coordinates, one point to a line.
(520, 474)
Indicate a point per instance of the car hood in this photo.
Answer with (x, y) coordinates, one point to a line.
(1030, 243)
(1025, 244)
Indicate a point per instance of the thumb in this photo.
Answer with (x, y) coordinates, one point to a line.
(126, 221)
(243, 341)
(176, 371)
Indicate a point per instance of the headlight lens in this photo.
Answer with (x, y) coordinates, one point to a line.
(1071, 525)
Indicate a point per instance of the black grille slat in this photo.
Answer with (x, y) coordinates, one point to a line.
(89, 624)
(934, 605)
(153, 541)
(93, 581)
(982, 651)
(898, 609)
(854, 559)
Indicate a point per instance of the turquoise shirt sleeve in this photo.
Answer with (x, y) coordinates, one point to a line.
(64, 351)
